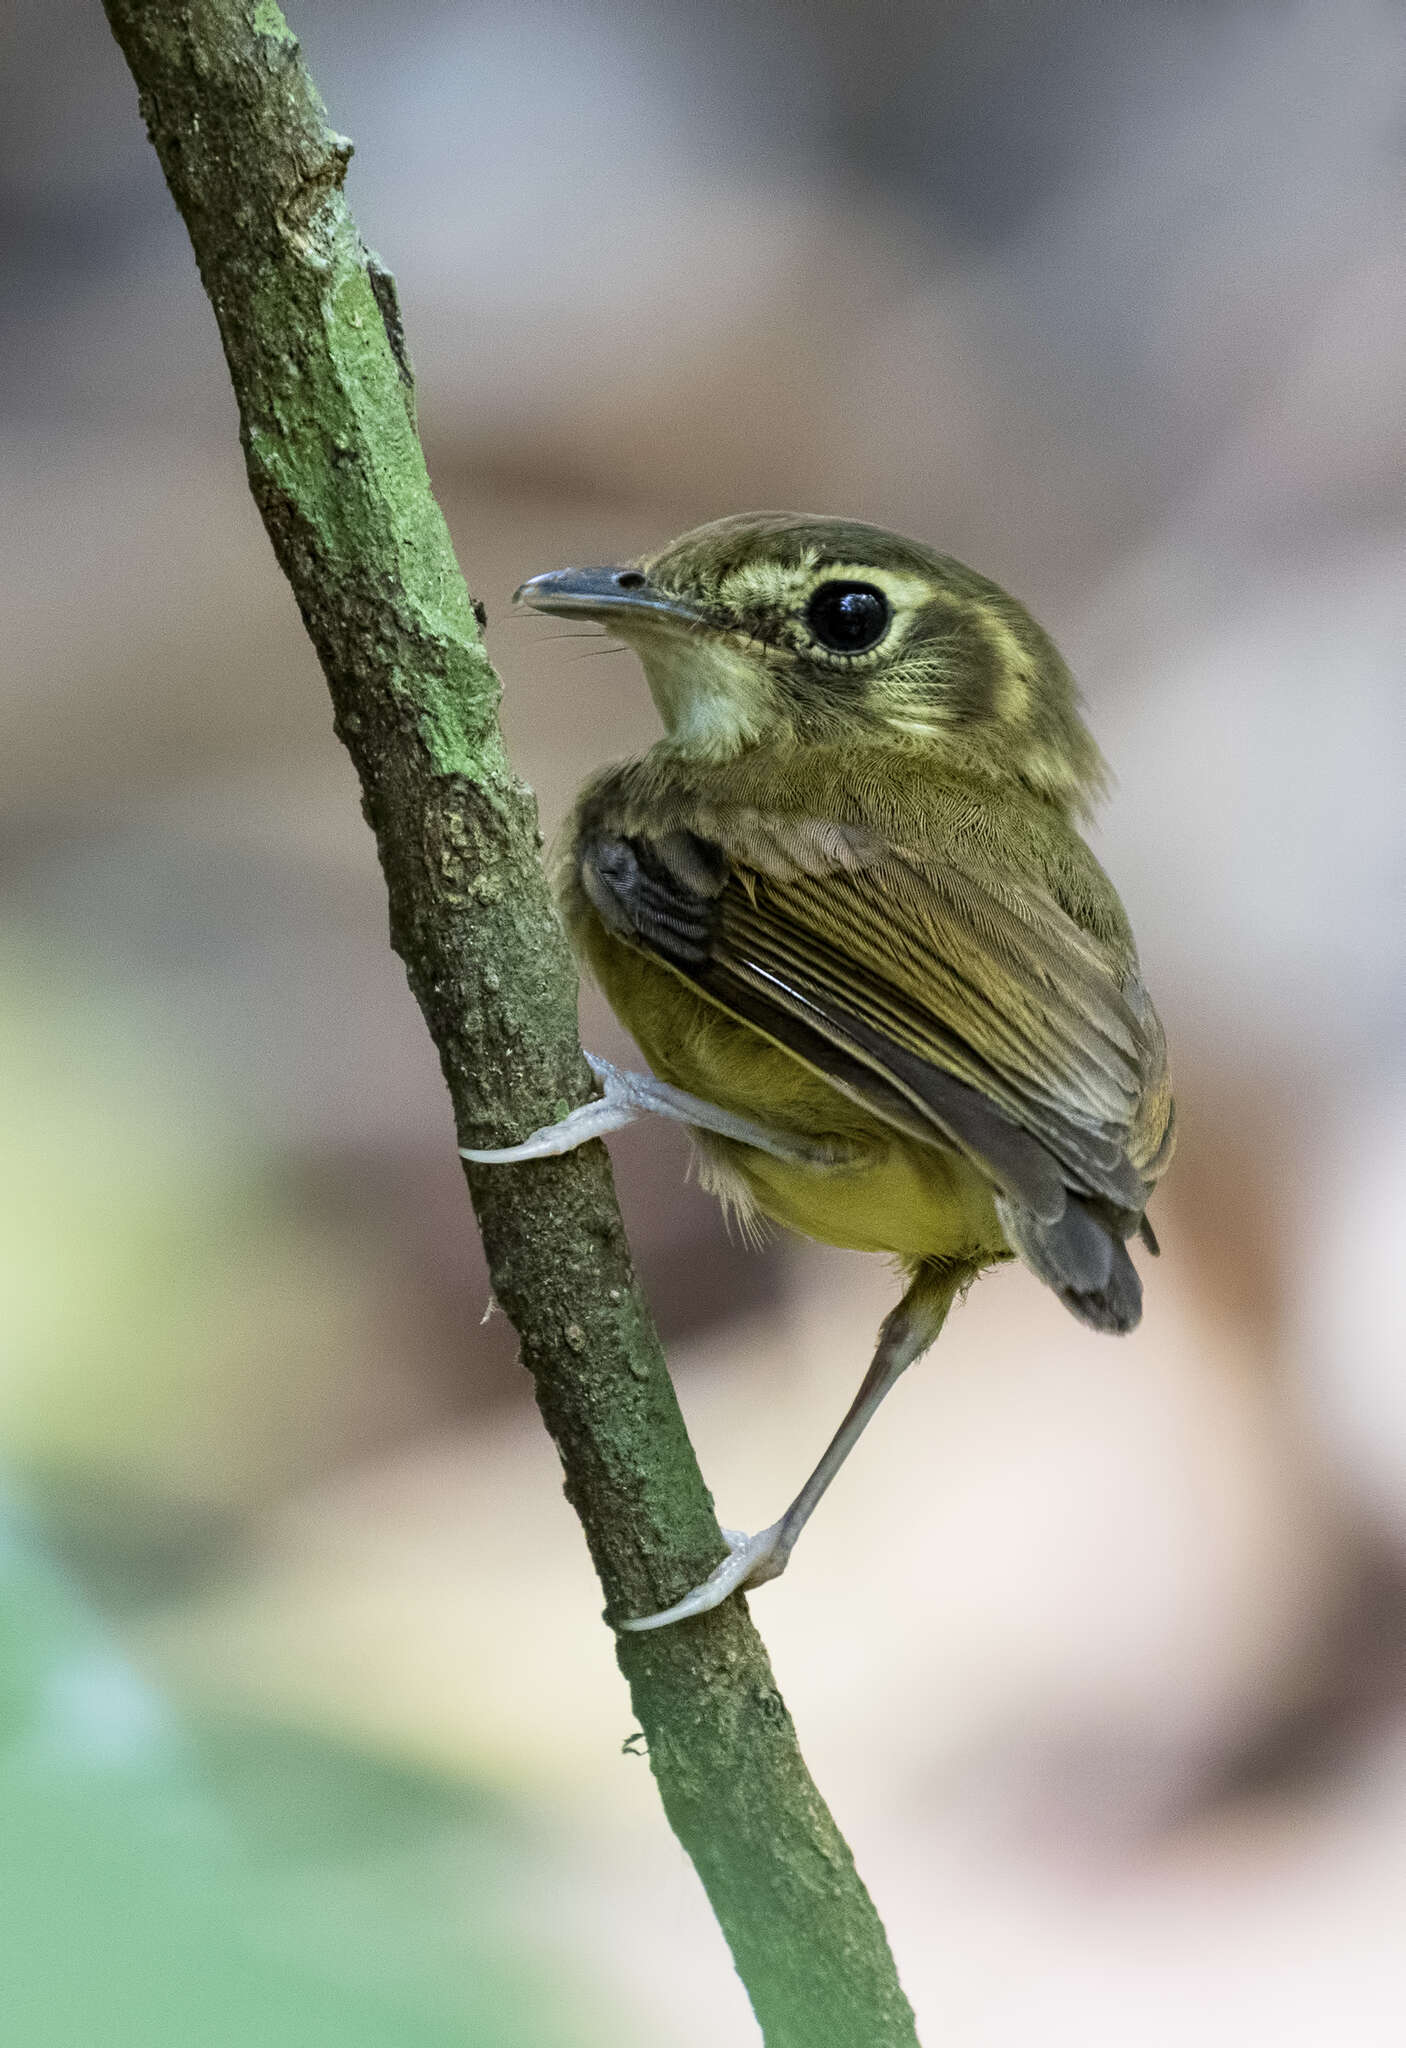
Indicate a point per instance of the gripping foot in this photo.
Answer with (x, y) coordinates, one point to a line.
(751, 1561)
(907, 1332)
(624, 1097)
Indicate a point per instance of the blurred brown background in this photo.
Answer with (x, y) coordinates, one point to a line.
(1097, 1647)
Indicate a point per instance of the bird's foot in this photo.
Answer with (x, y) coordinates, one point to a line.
(624, 1097)
(611, 1110)
(751, 1561)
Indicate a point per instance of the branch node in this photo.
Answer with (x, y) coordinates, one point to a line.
(387, 298)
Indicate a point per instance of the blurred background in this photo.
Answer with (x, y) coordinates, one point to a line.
(310, 1728)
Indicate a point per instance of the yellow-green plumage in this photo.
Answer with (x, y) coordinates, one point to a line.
(844, 908)
(895, 1193)
(845, 896)
(890, 1194)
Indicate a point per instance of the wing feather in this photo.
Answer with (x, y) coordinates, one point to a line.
(975, 997)
(958, 1004)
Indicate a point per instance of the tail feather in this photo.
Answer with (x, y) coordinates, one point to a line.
(1083, 1258)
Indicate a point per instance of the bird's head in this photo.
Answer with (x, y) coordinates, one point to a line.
(778, 629)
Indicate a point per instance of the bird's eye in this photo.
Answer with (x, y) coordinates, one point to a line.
(848, 618)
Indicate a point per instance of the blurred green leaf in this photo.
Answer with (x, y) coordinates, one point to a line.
(245, 1887)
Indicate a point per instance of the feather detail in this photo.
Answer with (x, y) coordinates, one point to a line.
(957, 998)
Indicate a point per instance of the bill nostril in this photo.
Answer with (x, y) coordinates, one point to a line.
(629, 579)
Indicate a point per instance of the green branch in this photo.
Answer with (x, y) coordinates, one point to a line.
(312, 337)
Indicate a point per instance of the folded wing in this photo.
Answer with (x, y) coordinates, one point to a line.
(966, 1009)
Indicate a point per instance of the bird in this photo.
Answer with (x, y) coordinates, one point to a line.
(845, 910)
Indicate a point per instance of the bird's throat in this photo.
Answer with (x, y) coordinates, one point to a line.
(714, 699)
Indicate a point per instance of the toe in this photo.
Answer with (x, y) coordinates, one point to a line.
(745, 1564)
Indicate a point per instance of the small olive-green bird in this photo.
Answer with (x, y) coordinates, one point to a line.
(844, 909)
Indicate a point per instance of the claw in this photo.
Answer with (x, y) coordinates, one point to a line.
(745, 1565)
(591, 1120)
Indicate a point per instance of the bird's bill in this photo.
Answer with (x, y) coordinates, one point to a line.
(617, 597)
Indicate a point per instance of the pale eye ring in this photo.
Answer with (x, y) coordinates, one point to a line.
(848, 618)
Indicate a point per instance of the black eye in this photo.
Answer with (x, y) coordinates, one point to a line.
(848, 618)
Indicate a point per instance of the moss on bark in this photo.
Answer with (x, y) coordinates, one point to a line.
(312, 336)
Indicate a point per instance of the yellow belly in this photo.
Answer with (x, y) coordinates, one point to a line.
(910, 1201)
(894, 1194)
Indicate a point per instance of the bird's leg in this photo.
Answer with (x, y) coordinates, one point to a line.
(623, 1097)
(906, 1333)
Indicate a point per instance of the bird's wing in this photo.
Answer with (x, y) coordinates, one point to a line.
(961, 1006)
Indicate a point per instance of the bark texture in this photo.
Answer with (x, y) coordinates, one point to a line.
(313, 339)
